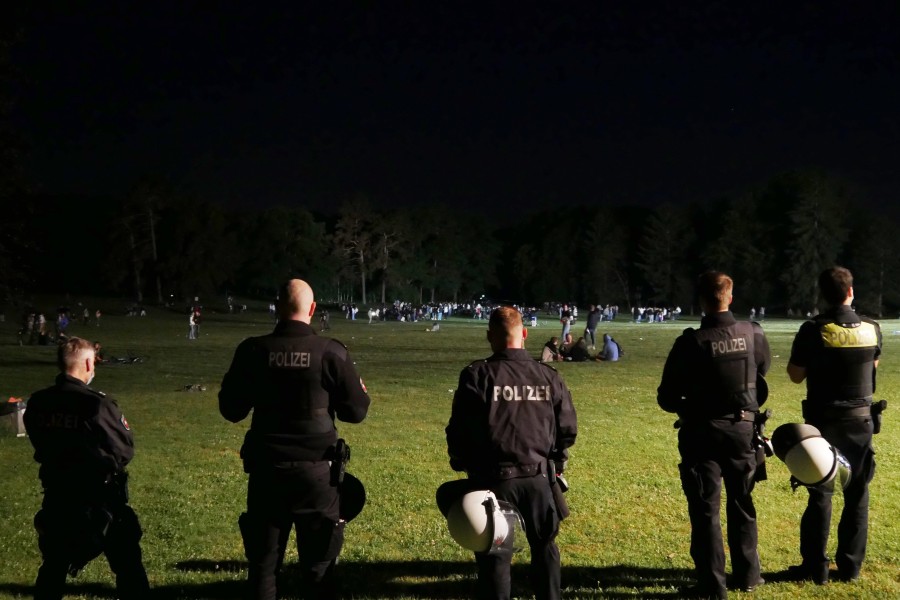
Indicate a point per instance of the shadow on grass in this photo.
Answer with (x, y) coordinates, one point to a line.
(418, 579)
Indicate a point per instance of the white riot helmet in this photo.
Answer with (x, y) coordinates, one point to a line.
(481, 523)
(809, 457)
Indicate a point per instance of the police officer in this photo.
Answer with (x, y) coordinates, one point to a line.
(296, 383)
(837, 354)
(83, 444)
(512, 421)
(710, 380)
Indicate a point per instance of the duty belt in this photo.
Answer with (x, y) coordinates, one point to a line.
(834, 412)
(740, 415)
(737, 416)
(509, 472)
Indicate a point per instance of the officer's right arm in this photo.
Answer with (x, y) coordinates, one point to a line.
(672, 387)
(463, 439)
(800, 352)
(236, 393)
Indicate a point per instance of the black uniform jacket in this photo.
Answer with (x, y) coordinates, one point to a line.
(712, 372)
(296, 383)
(509, 411)
(79, 435)
(838, 349)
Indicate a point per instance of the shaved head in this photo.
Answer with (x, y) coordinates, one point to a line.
(296, 301)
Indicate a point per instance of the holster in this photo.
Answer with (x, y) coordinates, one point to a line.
(339, 460)
(877, 408)
(760, 474)
(117, 488)
(558, 485)
(761, 444)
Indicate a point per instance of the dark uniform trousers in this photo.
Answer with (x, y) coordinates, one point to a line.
(64, 525)
(713, 451)
(277, 501)
(534, 500)
(853, 437)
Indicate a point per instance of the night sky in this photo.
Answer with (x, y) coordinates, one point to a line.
(494, 105)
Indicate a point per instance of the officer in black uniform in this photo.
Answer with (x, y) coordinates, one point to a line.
(710, 380)
(837, 354)
(511, 424)
(83, 444)
(296, 383)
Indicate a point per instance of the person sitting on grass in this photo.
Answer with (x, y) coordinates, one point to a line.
(550, 353)
(610, 351)
(577, 352)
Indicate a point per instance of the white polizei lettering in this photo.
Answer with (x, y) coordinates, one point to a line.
(292, 360)
(519, 393)
(730, 346)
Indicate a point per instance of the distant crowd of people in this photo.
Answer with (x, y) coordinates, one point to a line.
(37, 329)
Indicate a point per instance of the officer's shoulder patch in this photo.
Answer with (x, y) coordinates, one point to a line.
(548, 365)
(125, 423)
(338, 342)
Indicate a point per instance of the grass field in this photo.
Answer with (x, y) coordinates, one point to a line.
(627, 536)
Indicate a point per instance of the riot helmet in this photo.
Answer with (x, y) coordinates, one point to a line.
(478, 521)
(810, 458)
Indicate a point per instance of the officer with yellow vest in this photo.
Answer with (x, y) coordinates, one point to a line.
(837, 353)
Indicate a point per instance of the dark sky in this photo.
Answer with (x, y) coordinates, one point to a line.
(488, 104)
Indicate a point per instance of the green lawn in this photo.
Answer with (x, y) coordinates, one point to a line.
(628, 533)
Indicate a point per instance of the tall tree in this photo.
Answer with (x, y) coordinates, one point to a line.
(663, 255)
(744, 247)
(353, 238)
(390, 239)
(295, 246)
(817, 235)
(198, 253)
(872, 257)
(140, 218)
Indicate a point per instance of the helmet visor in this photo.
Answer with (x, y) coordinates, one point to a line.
(514, 540)
(840, 474)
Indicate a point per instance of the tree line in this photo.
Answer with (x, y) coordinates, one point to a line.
(157, 245)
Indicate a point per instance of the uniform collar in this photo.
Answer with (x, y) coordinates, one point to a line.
(65, 378)
(843, 314)
(719, 319)
(512, 354)
(294, 328)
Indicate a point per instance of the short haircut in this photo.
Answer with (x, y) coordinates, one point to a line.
(71, 352)
(505, 319)
(835, 284)
(714, 288)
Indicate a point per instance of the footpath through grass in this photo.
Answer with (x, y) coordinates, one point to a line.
(628, 534)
